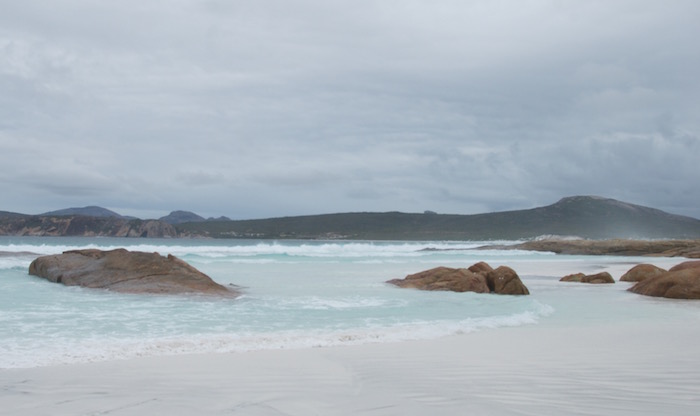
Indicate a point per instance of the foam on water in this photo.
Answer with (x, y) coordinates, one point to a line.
(228, 249)
(55, 349)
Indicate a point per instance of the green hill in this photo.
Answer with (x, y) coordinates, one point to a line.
(91, 211)
(582, 216)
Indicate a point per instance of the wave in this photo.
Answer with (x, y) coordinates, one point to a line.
(242, 248)
(104, 349)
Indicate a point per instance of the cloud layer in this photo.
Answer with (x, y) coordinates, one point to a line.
(267, 108)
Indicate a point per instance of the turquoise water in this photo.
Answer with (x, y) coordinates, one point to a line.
(296, 294)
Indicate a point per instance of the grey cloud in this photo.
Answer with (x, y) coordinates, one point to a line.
(312, 106)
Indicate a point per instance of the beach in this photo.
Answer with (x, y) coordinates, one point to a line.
(591, 370)
(318, 332)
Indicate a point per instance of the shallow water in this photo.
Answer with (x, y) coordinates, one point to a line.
(297, 294)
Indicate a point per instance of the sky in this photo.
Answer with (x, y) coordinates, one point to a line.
(266, 108)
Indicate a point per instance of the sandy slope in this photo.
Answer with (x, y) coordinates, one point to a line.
(533, 370)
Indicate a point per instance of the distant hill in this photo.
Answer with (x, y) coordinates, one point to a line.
(179, 217)
(7, 214)
(221, 218)
(90, 211)
(583, 216)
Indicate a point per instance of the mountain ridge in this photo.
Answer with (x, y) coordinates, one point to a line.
(179, 217)
(590, 217)
(582, 216)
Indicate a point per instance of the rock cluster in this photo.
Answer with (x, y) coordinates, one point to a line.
(679, 282)
(126, 271)
(598, 278)
(479, 278)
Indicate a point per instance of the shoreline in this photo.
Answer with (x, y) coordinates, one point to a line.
(602, 368)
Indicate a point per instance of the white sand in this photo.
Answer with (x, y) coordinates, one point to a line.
(602, 369)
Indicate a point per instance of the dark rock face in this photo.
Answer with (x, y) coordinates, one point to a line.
(641, 272)
(125, 271)
(679, 284)
(480, 278)
(598, 278)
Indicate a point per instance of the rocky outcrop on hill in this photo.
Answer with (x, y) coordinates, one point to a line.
(598, 278)
(126, 271)
(84, 226)
(479, 278)
(147, 228)
(641, 272)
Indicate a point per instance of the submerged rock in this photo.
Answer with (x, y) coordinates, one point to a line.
(479, 278)
(126, 271)
(598, 278)
(641, 272)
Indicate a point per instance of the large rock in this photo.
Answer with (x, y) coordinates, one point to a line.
(480, 278)
(641, 272)
(444, 278)
(598, 278)
(126, 271)
(680, 284)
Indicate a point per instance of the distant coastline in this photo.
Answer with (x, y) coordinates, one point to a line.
(584, 217)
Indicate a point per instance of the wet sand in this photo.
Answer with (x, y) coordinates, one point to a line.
(594, 369)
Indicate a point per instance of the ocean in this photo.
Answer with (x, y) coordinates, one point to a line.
(298, 294)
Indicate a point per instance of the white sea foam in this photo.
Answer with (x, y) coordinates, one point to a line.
(47, 352)
(225, 248)
(19, 255)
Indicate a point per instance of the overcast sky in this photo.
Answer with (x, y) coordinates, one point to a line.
(264, 108)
